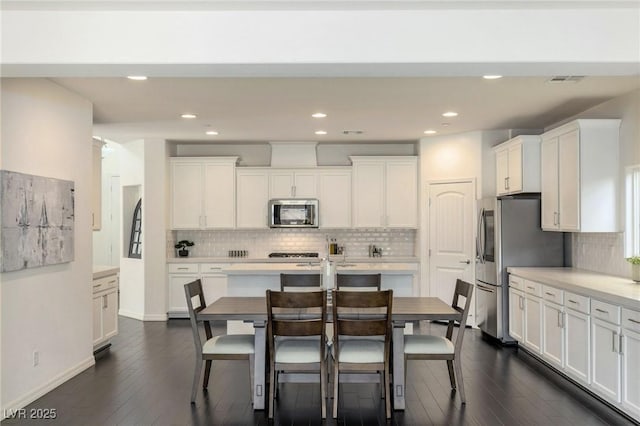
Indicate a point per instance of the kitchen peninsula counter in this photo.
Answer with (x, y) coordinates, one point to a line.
(335, 260)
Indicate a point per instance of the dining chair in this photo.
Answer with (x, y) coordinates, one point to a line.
(358, 281)
(367, 315)
(299, 282)
(428, 347)
(225, 347)
(297, 339)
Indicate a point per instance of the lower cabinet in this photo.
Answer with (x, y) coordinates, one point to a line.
(605, 359)
(214, 285)
(533, 323)
(631, 372)
(516, 315)
(553, 333)
(577, 345)
(105, 310)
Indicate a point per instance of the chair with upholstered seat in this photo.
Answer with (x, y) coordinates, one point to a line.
(225, 347)
(358, 281)
(297, 339)
(360, 318)
(427, 347)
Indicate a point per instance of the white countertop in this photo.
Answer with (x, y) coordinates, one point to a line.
(609, 288)
(384, 259)
(386, 268)
(100, 271)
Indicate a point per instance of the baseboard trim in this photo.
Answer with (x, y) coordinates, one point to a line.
(130, 314)
(155, 317)
(27, 399)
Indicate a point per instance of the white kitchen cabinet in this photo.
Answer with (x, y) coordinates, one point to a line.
(203, 192)
(385, 192)
(553, 333)
(105, 310)
(284, 183)
(252, 197)
(334, 197)
(580, 177)
(96, 186)
(518, 165)
(533, 316)
(577, 338)
(214, 284)
(605, 359)
(630, 352)
(516, 315)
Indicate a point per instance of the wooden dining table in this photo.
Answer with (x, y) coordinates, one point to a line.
(254, 309)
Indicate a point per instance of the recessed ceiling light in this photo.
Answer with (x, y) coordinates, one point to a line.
(188, 115)
(211, 132)
(491, 77)
(450, 114)
(320, 132)
(319, 115)
(430, 132)
(137, 77)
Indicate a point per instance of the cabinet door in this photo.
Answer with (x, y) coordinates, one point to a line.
(281, 184)
(305, 184)
(214, 287)
(177, 298)
(533, 323)
(516, 315)
(569, 181)
(186, 195)
(549, 182)
(605, 359)
(553, 334)
(252, 198)
(110, 314)
(219, 195)
(514, 178)
(368, 194)
(502, 171)
(577, 339)
(335, 199)
(401, 194)
(631, 372)
(97, 320)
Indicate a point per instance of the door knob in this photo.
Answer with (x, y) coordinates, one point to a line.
(465, 261)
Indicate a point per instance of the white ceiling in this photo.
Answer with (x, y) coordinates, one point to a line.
(385, 108)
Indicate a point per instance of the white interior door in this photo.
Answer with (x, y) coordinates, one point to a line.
(451, 237)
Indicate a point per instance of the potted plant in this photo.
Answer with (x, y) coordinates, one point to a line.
(635, 267)
(182, 247)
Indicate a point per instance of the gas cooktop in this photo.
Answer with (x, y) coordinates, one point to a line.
(293, 254)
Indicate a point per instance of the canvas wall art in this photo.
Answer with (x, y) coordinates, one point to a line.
(37, 221)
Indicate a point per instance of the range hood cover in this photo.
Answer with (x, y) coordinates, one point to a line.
(293, 154)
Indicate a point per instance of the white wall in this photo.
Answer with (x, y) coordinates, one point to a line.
(109, 232)
(46, 131)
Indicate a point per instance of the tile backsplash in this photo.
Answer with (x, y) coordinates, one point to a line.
(600, 252)
(259, 243)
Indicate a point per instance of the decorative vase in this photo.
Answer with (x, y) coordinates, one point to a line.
(635, 273)
(183, 253)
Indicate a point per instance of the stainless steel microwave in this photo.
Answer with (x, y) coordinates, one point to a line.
(293, 213)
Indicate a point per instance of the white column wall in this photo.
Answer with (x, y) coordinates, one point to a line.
(46, 131)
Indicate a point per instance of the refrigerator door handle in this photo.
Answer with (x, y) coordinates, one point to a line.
(485, 288)
(479, 239)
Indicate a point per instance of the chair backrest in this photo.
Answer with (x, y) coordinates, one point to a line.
(296, 314)
(310, 281)
(465, 290)
(194, 290)
(350, 281)
(362, 313)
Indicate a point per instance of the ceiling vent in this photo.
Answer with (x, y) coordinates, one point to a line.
(565, 79)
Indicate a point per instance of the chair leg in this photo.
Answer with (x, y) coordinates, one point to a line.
(387, 397)
(458, 368)
(272, 388)
(452, 378)
(196, 379)
(207, 372)
(335, 388)
(323, 389)
(252, 374)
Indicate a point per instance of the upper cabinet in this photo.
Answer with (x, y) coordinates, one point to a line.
(334, 195)
(96, 187)
(252, 196)
(203, 192)
(287, 183)
(518, 165)
(385, 192)
(580, 177)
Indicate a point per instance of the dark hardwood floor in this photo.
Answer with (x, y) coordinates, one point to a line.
(145, 379)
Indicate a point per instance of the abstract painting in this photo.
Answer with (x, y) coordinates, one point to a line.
(36, 217)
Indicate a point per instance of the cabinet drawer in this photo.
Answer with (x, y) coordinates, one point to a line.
(605, 311)
(577, 302)
(531, 287)
(553, 294)
(631, 320)
(212, 268)
(105, 283)
(183, 268)
(516, 282)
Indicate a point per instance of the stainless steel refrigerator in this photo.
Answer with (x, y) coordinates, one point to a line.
(509, 234)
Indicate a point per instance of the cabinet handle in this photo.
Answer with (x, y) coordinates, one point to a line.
(550, 294)
(573, 301)
(555, 216)
(521, 300)
(615, 342)
(98, 285)
(217, 268)
(112, 282)
(621, 345)
(183, 269)
(506, 185)
(560, 322)
(602, 311)
(531, 288)
(507, 178)
(632, 320)
(105, 302)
